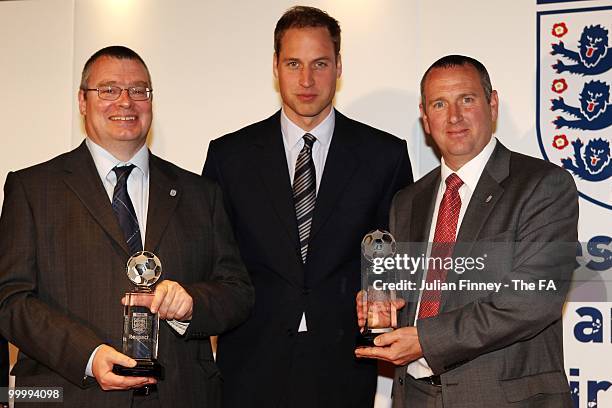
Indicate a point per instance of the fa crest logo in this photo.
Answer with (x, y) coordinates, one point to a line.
(592, 57)
(140, 322)
(593, 113)
(574, 116)
(593, 164)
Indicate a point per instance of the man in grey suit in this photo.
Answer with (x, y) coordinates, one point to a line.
(500, 348)
(68, 227)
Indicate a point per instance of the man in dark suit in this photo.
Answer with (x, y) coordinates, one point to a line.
(68, 227)
(487, 348)
(301, 244)
(4, 367)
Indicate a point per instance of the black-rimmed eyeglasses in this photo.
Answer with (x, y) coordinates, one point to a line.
(112, 93)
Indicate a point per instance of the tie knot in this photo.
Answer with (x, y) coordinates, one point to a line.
(123, 172)
(453, 182)
(309, 140)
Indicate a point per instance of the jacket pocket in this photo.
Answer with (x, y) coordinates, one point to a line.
(519, 389)
(26, 367)
(210, 368)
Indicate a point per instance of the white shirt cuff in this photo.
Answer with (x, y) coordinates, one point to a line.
(179, 327)
(88, 369)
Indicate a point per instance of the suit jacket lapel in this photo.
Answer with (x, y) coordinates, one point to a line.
(421, 218)
(270, 161)
(422, 209)
(164, 195)
(340, 165)
(486, 195)
(83, 179)
(488, 191)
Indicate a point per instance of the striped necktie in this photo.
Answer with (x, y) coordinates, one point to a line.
(304, 192)
(124, 210)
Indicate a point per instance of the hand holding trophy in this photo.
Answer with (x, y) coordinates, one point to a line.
(376, 304)
(140, 325)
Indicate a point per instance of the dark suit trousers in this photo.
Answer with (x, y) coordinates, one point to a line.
(150, 401)
(302, 390)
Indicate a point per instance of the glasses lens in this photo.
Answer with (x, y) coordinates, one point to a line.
(109, 93)
(139, 93)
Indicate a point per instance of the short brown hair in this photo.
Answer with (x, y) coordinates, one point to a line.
(305, 17)
(114, 51)
(450, 61)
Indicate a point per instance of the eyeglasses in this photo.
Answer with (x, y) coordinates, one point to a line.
(112, 93)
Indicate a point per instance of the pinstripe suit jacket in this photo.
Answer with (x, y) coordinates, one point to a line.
(62, 275)
(4, 362)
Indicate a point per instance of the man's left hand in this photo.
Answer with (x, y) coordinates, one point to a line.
(171, 301)
(400, 347)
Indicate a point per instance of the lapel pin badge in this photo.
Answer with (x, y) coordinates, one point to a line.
(488, 199)
(172, 193)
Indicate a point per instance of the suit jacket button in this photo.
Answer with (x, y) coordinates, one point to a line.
(401, 381)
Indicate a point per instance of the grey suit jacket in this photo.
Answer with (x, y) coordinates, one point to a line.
(498, 349)
(62, 276)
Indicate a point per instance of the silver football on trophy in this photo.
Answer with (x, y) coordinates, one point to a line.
(378, 244)
(144, 268)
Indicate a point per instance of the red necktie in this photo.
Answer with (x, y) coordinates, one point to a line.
(442, 247)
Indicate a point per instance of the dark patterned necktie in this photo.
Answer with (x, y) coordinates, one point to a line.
(304, 192)
(442, 247)
(124, 210)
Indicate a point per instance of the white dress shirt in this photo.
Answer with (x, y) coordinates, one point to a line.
(137, 182)
(469, 173)
(138, 190)
(293, 141)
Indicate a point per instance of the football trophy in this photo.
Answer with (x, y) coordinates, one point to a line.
(140, 326)
(378, 304)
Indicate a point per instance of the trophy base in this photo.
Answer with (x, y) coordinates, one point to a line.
(143, 368)
(366, 339)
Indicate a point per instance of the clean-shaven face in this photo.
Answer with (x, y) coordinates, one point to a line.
(457, 114)
(123, 124)
(307, 69)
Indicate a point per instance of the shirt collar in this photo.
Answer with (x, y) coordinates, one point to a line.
(292, 133)
(470, 172)
(105, 162)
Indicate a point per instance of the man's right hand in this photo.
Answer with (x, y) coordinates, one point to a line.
(361, 313)
(377, 313)
(102, 369)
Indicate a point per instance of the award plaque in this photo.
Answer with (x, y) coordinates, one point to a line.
(140, 326)
(378, 303)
